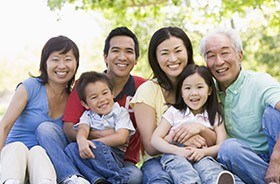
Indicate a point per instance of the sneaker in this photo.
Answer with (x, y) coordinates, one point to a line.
(75, 180)
(46, 182)
(225, 177)
(102, 181)
(11, 181)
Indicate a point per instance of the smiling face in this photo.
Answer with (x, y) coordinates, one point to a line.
(61, 67)
(121, 57)
(223, 61)
(172, 57)
(99, 98)
(195, 93)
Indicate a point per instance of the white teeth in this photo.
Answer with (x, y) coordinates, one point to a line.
(173, 66)
(221, 70)
(61, 74)
(121, 65)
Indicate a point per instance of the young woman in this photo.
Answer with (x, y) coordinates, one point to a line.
(170, 51)
(196, 104)
(37, 100)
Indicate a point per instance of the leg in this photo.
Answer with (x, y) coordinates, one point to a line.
(40, 167)
(133, 172)
(83, 164)
(244, 163)
(52, 138)
(14, 162)
(271, 126)
(153, 172)
(180, 169)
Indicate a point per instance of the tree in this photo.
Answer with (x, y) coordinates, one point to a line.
(257, 20)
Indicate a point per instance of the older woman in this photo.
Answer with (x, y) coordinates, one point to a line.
(37, 100)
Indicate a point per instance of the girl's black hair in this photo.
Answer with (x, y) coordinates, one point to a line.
(212, 105)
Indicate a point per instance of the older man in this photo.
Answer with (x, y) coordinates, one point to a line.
(252, 151)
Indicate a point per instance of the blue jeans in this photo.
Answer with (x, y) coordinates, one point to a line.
(153, 172)
(108, 164)
(244, 162)
(183, 171)
(51, 137)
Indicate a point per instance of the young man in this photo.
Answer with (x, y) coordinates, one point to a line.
(246, 97)
(121, 52)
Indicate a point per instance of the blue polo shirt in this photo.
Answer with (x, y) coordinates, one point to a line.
(243, 104)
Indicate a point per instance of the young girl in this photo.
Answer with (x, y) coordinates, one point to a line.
(197, 105)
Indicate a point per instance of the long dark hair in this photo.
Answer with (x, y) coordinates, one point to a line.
(212, 104)
(158, 37)
(59, 43)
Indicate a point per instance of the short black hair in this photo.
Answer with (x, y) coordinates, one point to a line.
(91, 77)
(121, 31)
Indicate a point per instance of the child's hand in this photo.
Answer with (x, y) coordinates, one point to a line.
(84, 148)
(183, 152)
(196, 154)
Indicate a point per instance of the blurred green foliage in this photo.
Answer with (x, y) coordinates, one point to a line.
(257, 20)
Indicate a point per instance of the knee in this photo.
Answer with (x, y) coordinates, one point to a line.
(271, 116)
(72, 147)
(17, 148)
(229, 147)
(37, 149)
(47, 129)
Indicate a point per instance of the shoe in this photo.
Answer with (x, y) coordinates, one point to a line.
(46, 182)
(225, 177)
(102, 181)
(75, 180)
(11, 181)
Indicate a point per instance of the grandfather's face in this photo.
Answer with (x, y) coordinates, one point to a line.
(223, 61)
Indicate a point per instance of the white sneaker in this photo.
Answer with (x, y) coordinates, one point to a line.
(11, 181)
(46, 182)
(75, 180)
(225, 177)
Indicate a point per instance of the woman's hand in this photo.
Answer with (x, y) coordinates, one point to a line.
(187, 130)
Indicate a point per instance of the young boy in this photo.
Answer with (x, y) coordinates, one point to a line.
(106, 154)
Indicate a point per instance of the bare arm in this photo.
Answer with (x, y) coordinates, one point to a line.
(146, 122)
(116, 139)
(187, 130)
(13, 111)
(212, 150)
(93, 134)
(162, 145)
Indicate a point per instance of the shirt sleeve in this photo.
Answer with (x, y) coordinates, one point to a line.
(124, 121)
(74, 109)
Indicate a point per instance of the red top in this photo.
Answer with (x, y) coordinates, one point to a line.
(74, 110)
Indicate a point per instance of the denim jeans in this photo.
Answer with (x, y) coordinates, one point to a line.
(108, 164)
(183, 171)
(244, 162)
(153, 172)
(51, 137)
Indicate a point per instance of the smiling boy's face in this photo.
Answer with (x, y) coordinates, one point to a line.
(99, 97)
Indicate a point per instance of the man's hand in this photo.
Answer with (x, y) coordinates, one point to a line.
(273, 171)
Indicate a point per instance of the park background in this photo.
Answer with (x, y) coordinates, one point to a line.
(27, 25)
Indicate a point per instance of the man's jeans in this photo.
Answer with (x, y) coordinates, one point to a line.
(51, 137)
(108, 164)
(241, 160)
